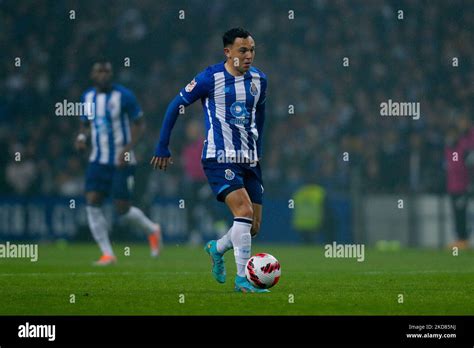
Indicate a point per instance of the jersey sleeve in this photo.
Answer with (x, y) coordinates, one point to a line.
(198, 88)
(263, 93)
(87, 110)
(260, 115)
(132, 107)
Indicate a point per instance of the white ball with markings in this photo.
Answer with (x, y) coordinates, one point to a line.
(263, 270)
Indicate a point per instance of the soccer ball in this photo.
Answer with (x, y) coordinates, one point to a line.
(263, 271)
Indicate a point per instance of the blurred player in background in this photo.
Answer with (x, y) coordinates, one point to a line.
(232, 94)
(114, 124)
(459, 158)
(195, 181)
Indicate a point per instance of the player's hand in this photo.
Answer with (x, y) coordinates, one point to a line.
(161, 162)
(80, 145)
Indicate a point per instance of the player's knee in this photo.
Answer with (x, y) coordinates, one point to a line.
(122, 208)
(93, 198)
(245, 209)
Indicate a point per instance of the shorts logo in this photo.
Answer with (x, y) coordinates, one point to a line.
(229, 174)
(253, 89)
(190, 86)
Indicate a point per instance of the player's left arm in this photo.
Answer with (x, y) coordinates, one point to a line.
(137, 126)
(260, 116)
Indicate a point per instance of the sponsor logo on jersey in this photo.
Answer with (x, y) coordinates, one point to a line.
(239, 111)
(190, 86)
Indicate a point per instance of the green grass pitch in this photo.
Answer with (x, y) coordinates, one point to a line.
(431, 282)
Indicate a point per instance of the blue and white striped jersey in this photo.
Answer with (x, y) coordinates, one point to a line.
(231, 105)
(110, 117)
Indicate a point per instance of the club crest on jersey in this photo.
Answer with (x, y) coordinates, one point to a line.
(112, 106)
(190, 86)
(229, 174)
(253, 89)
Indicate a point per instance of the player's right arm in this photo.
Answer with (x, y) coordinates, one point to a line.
(81, 140)
(198, 88)
(84, 132)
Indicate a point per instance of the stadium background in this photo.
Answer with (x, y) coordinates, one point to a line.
(336, 110)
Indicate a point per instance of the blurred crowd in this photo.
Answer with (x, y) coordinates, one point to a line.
(323, 121)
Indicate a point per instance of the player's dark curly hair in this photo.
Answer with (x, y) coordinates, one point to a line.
(230, 35)
(103, 60)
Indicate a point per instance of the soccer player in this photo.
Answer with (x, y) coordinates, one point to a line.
(460, 141)
(114, 120)
(232, 94)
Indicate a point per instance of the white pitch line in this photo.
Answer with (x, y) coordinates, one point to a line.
(93, 273)
(413, 272)
(190, 273)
